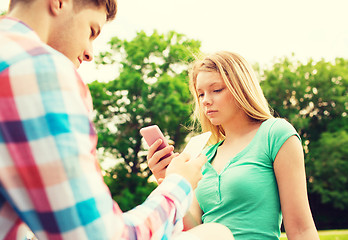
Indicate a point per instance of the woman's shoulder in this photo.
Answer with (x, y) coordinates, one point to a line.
(277, 131)
(280, 126)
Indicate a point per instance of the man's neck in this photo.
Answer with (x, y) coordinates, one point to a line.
(34, 16)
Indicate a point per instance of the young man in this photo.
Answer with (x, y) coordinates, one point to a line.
(49, 176)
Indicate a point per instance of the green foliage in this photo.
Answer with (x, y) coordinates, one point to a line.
(127, 189)
(152, 88)
(313, 97)
(328, 235)
(331, 171)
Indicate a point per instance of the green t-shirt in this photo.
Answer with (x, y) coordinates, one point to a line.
(244, 196)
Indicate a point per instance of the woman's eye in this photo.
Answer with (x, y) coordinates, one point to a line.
(200, 95)
(218, 90)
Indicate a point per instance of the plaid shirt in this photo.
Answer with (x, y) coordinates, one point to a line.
(49, 175)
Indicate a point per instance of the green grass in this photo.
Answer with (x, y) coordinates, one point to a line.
(328, 235)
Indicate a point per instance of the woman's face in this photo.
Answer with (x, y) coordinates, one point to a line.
(215, 99)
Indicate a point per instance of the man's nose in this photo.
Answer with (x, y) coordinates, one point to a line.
(88, 54)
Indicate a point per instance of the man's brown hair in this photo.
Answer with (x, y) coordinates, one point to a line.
(110, 5)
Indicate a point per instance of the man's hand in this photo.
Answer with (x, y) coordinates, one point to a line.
(190, 169)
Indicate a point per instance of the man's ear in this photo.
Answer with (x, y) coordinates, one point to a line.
(56, 6)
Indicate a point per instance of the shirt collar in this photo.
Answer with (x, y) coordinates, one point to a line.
(16, 25)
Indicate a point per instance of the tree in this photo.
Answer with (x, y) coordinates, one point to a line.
(313, 97)
(152, 88)
(331, 171)
(126, 188)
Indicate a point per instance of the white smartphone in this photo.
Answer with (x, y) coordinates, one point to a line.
(196, 144)
(151, 134)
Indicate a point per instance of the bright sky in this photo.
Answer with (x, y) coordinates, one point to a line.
(259, 30)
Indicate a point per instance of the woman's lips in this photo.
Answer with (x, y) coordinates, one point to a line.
(211, 112)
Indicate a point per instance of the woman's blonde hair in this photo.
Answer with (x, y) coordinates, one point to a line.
(240, 79)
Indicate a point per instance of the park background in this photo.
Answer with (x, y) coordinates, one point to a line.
(299, 50)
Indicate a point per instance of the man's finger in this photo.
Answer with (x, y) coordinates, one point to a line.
(200, 160)
(160, 180)
(182, 157)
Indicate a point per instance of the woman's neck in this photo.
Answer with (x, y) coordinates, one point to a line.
(241, 126)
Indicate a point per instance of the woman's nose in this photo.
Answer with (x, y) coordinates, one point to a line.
(206, 100)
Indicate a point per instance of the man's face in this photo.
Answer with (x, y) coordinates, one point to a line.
(75, 31)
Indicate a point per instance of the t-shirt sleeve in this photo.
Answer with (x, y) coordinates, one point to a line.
(279, 132)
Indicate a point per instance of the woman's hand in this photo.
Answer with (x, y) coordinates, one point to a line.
(155, 162)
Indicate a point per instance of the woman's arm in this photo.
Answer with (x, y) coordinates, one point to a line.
(193, 216)
(290, 173)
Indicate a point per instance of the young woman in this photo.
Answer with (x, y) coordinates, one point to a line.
(255, 173)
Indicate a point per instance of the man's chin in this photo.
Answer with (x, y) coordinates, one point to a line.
(77, 65)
